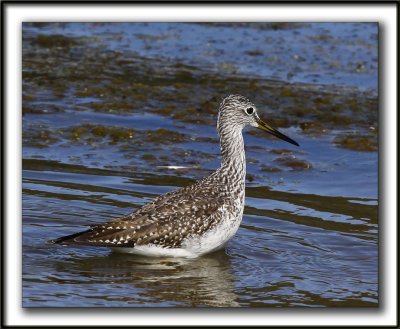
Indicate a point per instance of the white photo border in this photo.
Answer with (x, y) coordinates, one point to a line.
(15, 13)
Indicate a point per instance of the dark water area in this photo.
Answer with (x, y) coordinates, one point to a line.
(116, 114)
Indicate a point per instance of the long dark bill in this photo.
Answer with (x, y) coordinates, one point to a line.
(266, 127)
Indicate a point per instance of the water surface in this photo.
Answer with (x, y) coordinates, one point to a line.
(109, 108)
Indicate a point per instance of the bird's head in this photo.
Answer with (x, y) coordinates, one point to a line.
(237, 112)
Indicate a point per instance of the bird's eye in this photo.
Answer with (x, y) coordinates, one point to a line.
(249, 110)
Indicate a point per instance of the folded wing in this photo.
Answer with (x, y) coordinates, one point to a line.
(166, 222)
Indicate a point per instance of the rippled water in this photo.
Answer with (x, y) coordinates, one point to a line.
(107, 108)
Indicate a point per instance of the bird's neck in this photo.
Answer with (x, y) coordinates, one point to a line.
(233, 155)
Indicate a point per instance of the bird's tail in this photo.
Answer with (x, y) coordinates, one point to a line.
(70, 239)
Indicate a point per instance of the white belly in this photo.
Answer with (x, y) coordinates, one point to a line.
(214, 239)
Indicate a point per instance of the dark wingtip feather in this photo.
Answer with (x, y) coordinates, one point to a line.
(68, 239)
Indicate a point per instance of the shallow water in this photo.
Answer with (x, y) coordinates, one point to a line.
(109, 108)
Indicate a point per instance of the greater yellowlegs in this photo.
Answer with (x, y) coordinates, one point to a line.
(196, 219)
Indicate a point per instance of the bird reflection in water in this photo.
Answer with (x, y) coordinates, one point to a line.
(206, 281)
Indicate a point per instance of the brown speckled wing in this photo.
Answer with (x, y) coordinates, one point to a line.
(164, 222)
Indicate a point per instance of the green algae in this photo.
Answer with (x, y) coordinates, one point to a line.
(39, 136)
(312, 128)
(357, 142)
(293, 163)
(270, 169)
(165, 136)
(91, 133)
(55, 40)
(188, 94)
